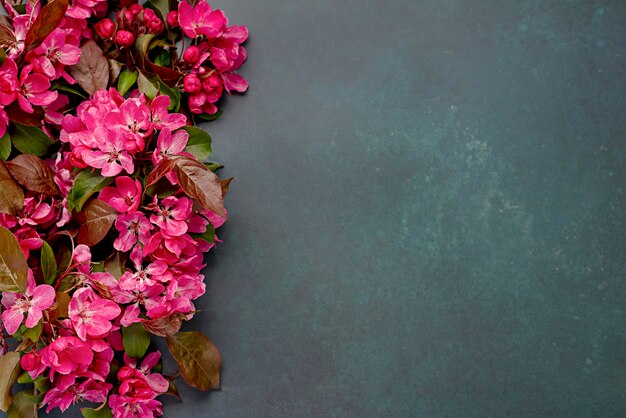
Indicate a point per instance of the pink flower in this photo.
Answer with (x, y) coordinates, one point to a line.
(171, 215)
(170, 144)
(51, 57)
(66, 355)
(156, 381)
(125, 197)
(111, 155)
(133, 120)
(68, 392)
(90, 314)
(32, 303)
(132, 407)
(201, 20)
(8, 82)
(34, 90)
(162, 118)
(143, 277)
(131, 227)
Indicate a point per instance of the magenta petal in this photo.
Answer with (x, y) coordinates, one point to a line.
(234, 82)
(12, 319)
(43, 297)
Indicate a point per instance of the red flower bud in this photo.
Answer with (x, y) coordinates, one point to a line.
(191, 55)
(192, 84)
(155, 26)
(135, 9)
(172, 19)
(124, 38)
(105, 28)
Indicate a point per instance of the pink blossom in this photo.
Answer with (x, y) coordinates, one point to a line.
(131, 227)
(201, 20)
(51, 57)
(143, 277)
(160, 116)
(90, 314)
(169, 144)
(34, 90)
(111, 155)
(133, 120)
(68, 392)
(171, 215)
(8, 82)
(32, 303)
(155, 381)
(132, 407)
(67, 354)
(125, 197)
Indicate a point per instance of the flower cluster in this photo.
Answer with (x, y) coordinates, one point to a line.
(109, 201)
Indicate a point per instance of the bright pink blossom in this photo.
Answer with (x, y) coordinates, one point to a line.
(67, 354)
(32, 303)
(34, 90)
(125, 197)
(90, 314)
(132, 227)
(51, 57)
(171, 215)
(111, 155)
(201, 20)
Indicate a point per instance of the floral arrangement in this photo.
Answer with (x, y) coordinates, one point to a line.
(108, 200)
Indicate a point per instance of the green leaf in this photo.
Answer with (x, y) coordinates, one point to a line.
(68, 89)
(86, 184)
(30, 140)
(213, 166)
(24, 378)
(104, 412)
(24, 404)
(143, 44)
(162, 7)
(146, 87)
(9, 372)
(152, 86)
(209, 118)
(34, 333)
(48, 263)
(208, 235)
(13, 267)
(5, 146)
(126, 81)
(199, 143)
(42, 384)
(197, 358)
(115, 264)
(136, 340)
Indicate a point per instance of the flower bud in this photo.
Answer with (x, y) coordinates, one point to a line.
(191, 55)
(172, 19)
(124, 38)
(192, 84)
(135, 9)
(105, 28)
(155, 26)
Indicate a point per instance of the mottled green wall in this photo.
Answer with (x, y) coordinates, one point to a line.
(429, 213)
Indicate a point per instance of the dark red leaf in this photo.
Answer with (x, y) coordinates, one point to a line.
(197, 358)
(95, 220)
(201, 184)
(226, 185)
(48, 20)
(16, 114)
(7, 37)
(34, 174)
(92, 71)
(164, 326)
(11, 194)
(158, 172)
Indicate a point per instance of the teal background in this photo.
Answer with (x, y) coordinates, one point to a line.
(428, 218)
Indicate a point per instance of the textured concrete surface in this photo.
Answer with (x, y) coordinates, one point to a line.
(429, 212)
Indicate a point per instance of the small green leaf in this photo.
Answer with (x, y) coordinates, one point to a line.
(24, 404)
(208, 235)
(68, 89)
(5, 146)
(146, 87)
(86, 184)
(143, 44)
(104, 412)
(199, 143)
(152, 86)
(42, 384)
(34, 333)
(126, 81)
(31, 140)
(209, 118)
(48, 263)
(24, 378)
(136, 340)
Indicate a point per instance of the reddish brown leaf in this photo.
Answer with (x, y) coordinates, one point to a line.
(11, 194)
(158, 172)
(168, 75)
(167, 325)
(9, 371)
(16, 114)
(92, 71)
(200, 183)
(48, 20)
(34, 174)
(197, 358)
(7, 37)
(226, 185)
(95, 220)
(61, 306)
(13, 267)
